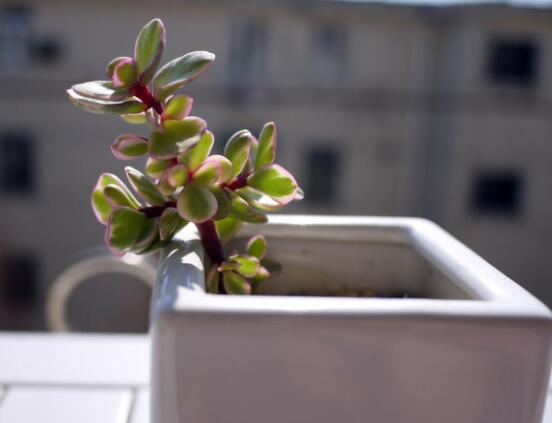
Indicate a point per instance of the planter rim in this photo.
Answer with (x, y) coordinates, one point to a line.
(180, 279)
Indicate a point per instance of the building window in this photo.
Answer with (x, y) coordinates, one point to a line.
(322, 174)
(15, 37)
(16, 163)
(513, 61)
(497, 193)
(19, 278)
(248, 53)
(329, 53)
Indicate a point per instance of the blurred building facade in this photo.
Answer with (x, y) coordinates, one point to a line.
(439, 112)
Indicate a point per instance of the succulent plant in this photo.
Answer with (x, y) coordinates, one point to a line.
(183, 183)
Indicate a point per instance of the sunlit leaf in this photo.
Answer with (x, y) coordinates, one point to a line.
(228, 228)
(105, 106)
(266, 150)
(241, 210)
(237, 150)
(101, 90)
(196, 155)
(129, 146)
(100, 205)
(243, 264)
(149, 49)
(235, 284)
(196, 204)
(258, 200)
(124, 74)
(111, 65)
(256, 246)
(156, 167)
(123, 229)
(180, 72)
(178, 175)
(135, 118)
(225, 167)
(178, 107)
(274, 181)
(223, 202)
(117, 196)
(170, 223)
(176, 137)
(145, 187)
(208, 173)
(148, 236)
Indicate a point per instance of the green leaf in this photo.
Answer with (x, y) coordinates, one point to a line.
(110, 69)
(241, 210)
(256, 246)
(266, 150)
(135, 118)
(262, 275)
(129, 146)
(178, 175)
(237, 150)
(228, 228)
(123, 229)
(170, 223)
(225, 167)
(211, 281)
(101, 90)
(258, 200)
(235, 284)
(143, 185)
(148, 236)
(100, 205)
(196, 155)
(196, 204)
(117, 196)
(223, 202)
(208, 173)
(274, 181)
(245, 265)
(164, 185)
(149, 49)
(178, 107)
(122, 107)
(156, 167)
(124, 74)
(180, 72)
(176, 137)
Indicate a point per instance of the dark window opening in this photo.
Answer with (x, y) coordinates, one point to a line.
(329, 53)
(497, 193)
(322, 174)
(16, 163)
(513, 62)
(15, 37)
(47, 50)
(19, 278)
(248, 53)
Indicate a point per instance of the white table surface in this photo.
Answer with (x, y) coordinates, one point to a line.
(74, 378)
(81, 379)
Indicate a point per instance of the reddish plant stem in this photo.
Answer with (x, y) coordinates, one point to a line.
(211, 241)
(143, 93)
(239, 182)
(207, 230)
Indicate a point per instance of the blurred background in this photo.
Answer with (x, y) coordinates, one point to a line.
(421, 109)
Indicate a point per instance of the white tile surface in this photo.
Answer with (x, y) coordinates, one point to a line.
(141, 407)
(65, 405)
(104, 360)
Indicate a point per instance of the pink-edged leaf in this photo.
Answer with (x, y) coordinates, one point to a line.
(129, 146)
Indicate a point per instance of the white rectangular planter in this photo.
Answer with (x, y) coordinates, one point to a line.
(475, 349)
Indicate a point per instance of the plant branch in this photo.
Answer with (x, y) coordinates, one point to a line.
(145, 96)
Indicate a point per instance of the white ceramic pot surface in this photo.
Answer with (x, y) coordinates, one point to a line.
(474, 348)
